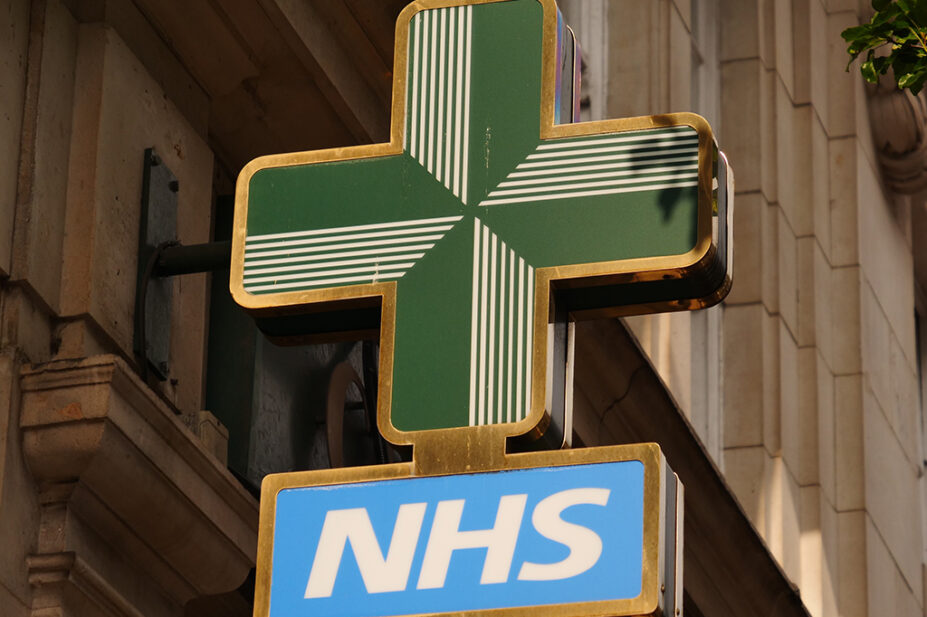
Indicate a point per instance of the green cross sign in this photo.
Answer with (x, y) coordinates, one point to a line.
(481, 223)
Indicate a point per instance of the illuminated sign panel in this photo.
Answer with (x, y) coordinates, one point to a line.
(467, 245)
(598, 533)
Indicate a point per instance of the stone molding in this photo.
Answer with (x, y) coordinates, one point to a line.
(899, 130)
(127, 494)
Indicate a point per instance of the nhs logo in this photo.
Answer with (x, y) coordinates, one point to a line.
(518, 538)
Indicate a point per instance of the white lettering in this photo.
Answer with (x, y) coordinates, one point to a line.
(379, 574)
(446, 538)
(585, 545)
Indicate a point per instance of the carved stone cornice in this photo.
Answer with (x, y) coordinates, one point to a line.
(136, 517)
(899, 130)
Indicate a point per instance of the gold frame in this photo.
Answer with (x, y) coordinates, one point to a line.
(470, 443)
(655, 469)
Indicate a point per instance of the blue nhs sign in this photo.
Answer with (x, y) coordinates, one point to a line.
(517, 538)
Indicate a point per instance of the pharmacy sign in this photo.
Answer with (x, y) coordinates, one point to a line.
(487, 221)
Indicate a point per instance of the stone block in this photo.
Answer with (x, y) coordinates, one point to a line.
(99, 442)
(841, 85)
(850, 564)
(794, 162)
(788, 273)
(743, 400)
(802, 36)
(845, 321)
(820, 190)
(748, 249)
(888, 592)
(904, 407)
(789, 401)
(823, 296)
(810, 580)
(745, 473)
(772, 379)
(875, 348)
(807, 310)
(885, 257)
(827, 438)
(13, 51)
(818, 64)
(770, 265)
(799, 416)
(18, 500)
(37, 253)
(830, 570)
(783, 534)
(684, 10)
(214, 435)
(741, 116)
(680, 62)
(893, 498)
(848, 442)
(768, 132)
(784, 45)
(739, 29)
(844, 233)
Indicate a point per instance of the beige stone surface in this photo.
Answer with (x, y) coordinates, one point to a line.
(830, 559)
(800, 418)
(889, 594)
(844, 231)
(132, 114)
(770, 266)
(876, 338)
(14, 24)
(827, 444)
(818, 59)
(848, 443)
(783, 532)
(845, 321)
(811, 548)
(743, 336)
(18, 501)
(893, 498)
(788, 274)
(10, 605)
(745, 473)
(748, 249)
(37, 253)
(823, 293)
(115, 462)
(740, 113)
(820, 192)
(795, 163)
(768, 130)
(789, 401)
(802, 36)
(807, 310)
(903, 408)
(841, 89)
(772, 384)
(680, 62)
(739, 29)
(851, 564)
(784, 45)
(885, 257)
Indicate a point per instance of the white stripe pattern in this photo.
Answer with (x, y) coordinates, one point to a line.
(590, 166)
(438, 131)
(339, 256)
(502, 319)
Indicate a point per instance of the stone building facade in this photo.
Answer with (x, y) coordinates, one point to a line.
(793, 412)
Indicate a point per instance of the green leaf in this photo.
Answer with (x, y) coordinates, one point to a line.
(869, 72)
(880, 5)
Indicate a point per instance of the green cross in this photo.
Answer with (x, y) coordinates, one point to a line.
(478, 209)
